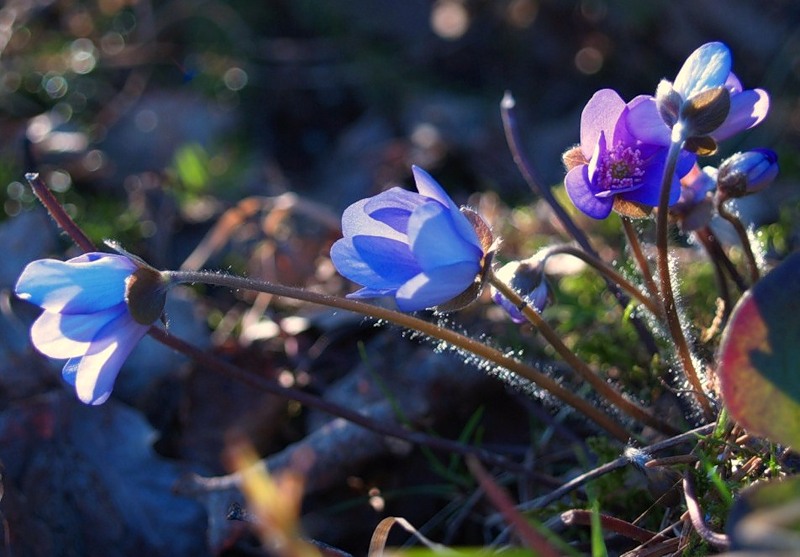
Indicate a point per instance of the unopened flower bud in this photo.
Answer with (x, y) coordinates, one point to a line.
(745, 173)
(527, 278)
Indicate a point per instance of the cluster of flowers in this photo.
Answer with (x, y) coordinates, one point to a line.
(420, 248)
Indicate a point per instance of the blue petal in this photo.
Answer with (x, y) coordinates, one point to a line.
(435, 287)
(394, 207)
(373, 261)
(435, 240)
(64, 336)
(94, 373)
(645, 123)
(75, 286)
(649, 192)
(429, 187)
(356, 221)
(706, 68)
(748, 109)
(600, 115)
(579, 190)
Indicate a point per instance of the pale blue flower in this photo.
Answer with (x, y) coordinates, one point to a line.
(86, 317)
(417, 247)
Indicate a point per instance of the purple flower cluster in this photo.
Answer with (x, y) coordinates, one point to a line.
(623, 151)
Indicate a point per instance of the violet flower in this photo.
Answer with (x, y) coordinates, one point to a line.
(616, 165)
(686, 104)
(96, 309)
(417, 247)
(745, 173)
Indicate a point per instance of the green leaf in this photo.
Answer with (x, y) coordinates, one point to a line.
(759, 364)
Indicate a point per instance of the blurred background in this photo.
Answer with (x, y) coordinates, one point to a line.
(231, 134)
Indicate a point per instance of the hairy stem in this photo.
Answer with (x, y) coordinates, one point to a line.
(665, 279)
(641, 259)
(409, 322)
(57, 213)
(608, 392)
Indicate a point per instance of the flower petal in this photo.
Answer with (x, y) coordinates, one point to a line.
(94, 373)
(645, 123)
(599, 115)
(579, 191)
(649, 192)
(435, 241)
(356, 221)
(75, 286)
(435, 287)
(373, 261)
(429, 187)
(705, 68)
(394, 207)
(64, 336)
(748, 109)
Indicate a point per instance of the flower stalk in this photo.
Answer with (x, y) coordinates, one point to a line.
(609, 393)
(413, 323)
(671, 313)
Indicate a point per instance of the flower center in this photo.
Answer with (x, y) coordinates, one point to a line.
(620, 169)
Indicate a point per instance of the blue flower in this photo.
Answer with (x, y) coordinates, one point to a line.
(86, 316)
(418, 247)
(616, 165)
(707, 68)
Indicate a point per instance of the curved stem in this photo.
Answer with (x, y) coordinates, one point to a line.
(641, 259)
(741, 231)
(57, 213)
(707, 237)
(719, 541)
(665, 279)
(507, 110)
(609, 393)
(409, 322)
(611, 274)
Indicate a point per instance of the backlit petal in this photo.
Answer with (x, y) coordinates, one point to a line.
(64, 336)
(705, 68)
(394, 207)
(429, 187)
(435, 240)
(600, 115)
(435, 287)
(645, 123)
(356, 221)
(75, 286)
(94, 373)
(748, 109)
(373, 261)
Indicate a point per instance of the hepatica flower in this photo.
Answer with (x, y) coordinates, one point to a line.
(417, 247)
(705, 100)
(96, 309)
(612, 166)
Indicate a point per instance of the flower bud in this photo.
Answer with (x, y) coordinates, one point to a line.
(145, 295)
(527, 278)
(745, 173)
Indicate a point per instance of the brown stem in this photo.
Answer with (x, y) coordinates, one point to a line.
(57, 212)
(641, 259)
(583, 517)
(719, 541)
(667, 293)
(609, 393)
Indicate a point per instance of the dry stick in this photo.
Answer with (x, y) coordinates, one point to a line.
(611, 274)
(741, 231)
(641, 259)
(415, 324)
(507, 111)
(604, 389)
(665, 280)
(582, 517)
(579, 481)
